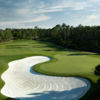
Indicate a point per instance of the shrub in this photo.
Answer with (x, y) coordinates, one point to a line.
(97, 70)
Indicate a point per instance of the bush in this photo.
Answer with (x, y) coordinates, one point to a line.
(97, 70)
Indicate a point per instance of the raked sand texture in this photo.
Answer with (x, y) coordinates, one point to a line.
(24, 84)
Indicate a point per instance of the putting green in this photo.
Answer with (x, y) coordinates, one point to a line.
(66, 62)
(72, 65)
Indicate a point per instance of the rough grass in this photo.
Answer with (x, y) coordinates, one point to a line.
(65, 62)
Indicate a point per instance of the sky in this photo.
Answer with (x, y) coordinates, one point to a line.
(48, 13)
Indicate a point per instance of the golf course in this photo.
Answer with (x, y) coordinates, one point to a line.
(49, 50)
(63, 62)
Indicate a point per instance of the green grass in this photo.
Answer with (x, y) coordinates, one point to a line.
(71, 65)
(64, 63)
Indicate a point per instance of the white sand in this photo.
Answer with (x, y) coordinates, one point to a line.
(24, 84)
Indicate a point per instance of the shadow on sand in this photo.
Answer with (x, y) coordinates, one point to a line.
(74, 94)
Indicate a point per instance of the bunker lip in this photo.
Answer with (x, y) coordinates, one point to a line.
(24, 84)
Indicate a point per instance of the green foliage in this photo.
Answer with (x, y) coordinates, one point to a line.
(80, 37)
(97, 70)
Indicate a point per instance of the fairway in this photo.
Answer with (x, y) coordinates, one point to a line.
(64, 62)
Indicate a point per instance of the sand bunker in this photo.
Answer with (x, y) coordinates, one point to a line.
(24, 84)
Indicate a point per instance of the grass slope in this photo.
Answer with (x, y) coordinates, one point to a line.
(65, 62)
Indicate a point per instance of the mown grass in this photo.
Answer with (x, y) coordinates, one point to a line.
(67, 64)
(64, 62)
(20, 49)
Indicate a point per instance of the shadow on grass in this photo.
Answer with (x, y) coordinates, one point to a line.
(10, 99)
(96, 91)
(79, 54)
(15, 46)
(52, 45)
(73, 94)
(93, 93)
(48, 50)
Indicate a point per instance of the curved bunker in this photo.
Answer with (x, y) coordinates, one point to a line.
(24, 84)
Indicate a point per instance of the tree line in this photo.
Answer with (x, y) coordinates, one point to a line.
(79, 37)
